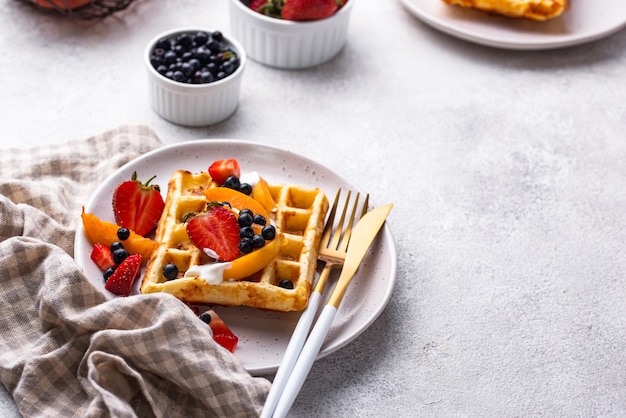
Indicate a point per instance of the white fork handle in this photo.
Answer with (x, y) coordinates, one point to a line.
(291, 354)
(305, 361)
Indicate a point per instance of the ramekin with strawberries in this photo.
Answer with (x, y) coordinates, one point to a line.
(291, 34)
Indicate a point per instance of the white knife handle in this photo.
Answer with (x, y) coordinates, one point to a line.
(305, 361)
(291, 354)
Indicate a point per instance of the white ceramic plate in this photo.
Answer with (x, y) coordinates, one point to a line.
(263, 335)
(585, 21)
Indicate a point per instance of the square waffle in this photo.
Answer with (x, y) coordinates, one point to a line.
(299, 217)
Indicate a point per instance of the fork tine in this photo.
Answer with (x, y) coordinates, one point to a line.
(328, 228)
(337, 236)
(348, 230)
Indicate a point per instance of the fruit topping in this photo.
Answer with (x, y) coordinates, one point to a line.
(123, 233)
(170, 271)
(221, 333)
(221, 170)
(286, 284)
(297, 9)
(137, 206)
(261, 193)
(121, 281)
(236, 200)
(197, 58)
(102, 232)
(103, 257)
(216, 232)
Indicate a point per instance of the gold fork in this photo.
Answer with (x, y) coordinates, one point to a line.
(332, 251)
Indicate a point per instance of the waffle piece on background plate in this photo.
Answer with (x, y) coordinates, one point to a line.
(528, 9)
(299, 219)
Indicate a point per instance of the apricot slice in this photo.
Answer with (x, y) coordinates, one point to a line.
(249, 264)
(236, 199)
(261, 193)
(103, 232)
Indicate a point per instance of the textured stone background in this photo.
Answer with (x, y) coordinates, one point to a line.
(508, 171)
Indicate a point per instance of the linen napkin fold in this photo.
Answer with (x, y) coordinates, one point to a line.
(65, 350)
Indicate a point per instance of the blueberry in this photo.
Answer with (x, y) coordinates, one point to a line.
(259, 220)
(268, 232)
(178, 76)
(169, 57)
(246, 232)
(206, 77)
(258, 241)
(170, 271)
(116, 246)
(245, 188)
(286, 284)
(245, 219)
(205, 317)
(245, 245)
(217, 36)
(232, 182)
(164, 43)
(123, 233)
(201, 38)
(120, 255)
(107, 273)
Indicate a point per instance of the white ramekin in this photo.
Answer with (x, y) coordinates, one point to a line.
(288, 44)
(194, 104)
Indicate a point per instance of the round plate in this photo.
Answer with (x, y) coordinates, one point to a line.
(585, 21)
(263, 335)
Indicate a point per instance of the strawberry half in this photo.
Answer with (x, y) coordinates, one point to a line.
(121, 281)
(216, 230)
(102, 256)
(220, 170)
(138, 206)
(221, 333)
(309, 9)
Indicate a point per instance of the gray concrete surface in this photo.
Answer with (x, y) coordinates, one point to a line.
(507, 170)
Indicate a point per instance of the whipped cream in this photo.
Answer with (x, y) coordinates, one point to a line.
(252, 178)
(212, 273)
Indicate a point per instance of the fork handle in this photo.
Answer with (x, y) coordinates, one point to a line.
(291, 354)
(305, 361)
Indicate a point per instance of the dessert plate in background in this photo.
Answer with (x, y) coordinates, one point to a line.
(263, 335)
(585, 21)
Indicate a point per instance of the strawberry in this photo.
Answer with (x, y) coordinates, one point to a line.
(137, 206)
(220, 170)
(297, 9)
(221, 333)
(122, 279)
(102, 256)
(217, 231)
(309, 9)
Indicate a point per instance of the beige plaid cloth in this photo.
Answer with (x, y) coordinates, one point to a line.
(67, 351)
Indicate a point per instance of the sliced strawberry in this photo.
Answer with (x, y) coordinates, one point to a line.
(102, 256)
(121, 281)
(220, 170)
(309, 9)
(216, 230)
(137, 206)
(221, 333)
(258, 5)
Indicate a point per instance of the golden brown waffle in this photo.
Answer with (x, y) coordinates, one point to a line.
(529, 9)
(299, 219)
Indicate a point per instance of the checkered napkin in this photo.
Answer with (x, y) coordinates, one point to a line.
(65, 350)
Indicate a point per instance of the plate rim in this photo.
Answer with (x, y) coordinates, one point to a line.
(80, 243)
(449, 27)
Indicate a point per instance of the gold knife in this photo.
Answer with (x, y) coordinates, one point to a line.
(363, 234)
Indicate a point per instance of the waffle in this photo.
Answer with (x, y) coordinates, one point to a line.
(299, 220)
(529, 9)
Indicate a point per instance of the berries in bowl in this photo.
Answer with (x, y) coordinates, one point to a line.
(291, 34)
(194, 75)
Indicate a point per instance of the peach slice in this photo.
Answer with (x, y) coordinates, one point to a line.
(236, 199)
(103, 232)
(261, 193)
(249, 264)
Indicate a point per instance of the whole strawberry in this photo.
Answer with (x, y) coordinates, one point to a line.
(215, 232)
(137, 206)
(121, 281)
(299, 10)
